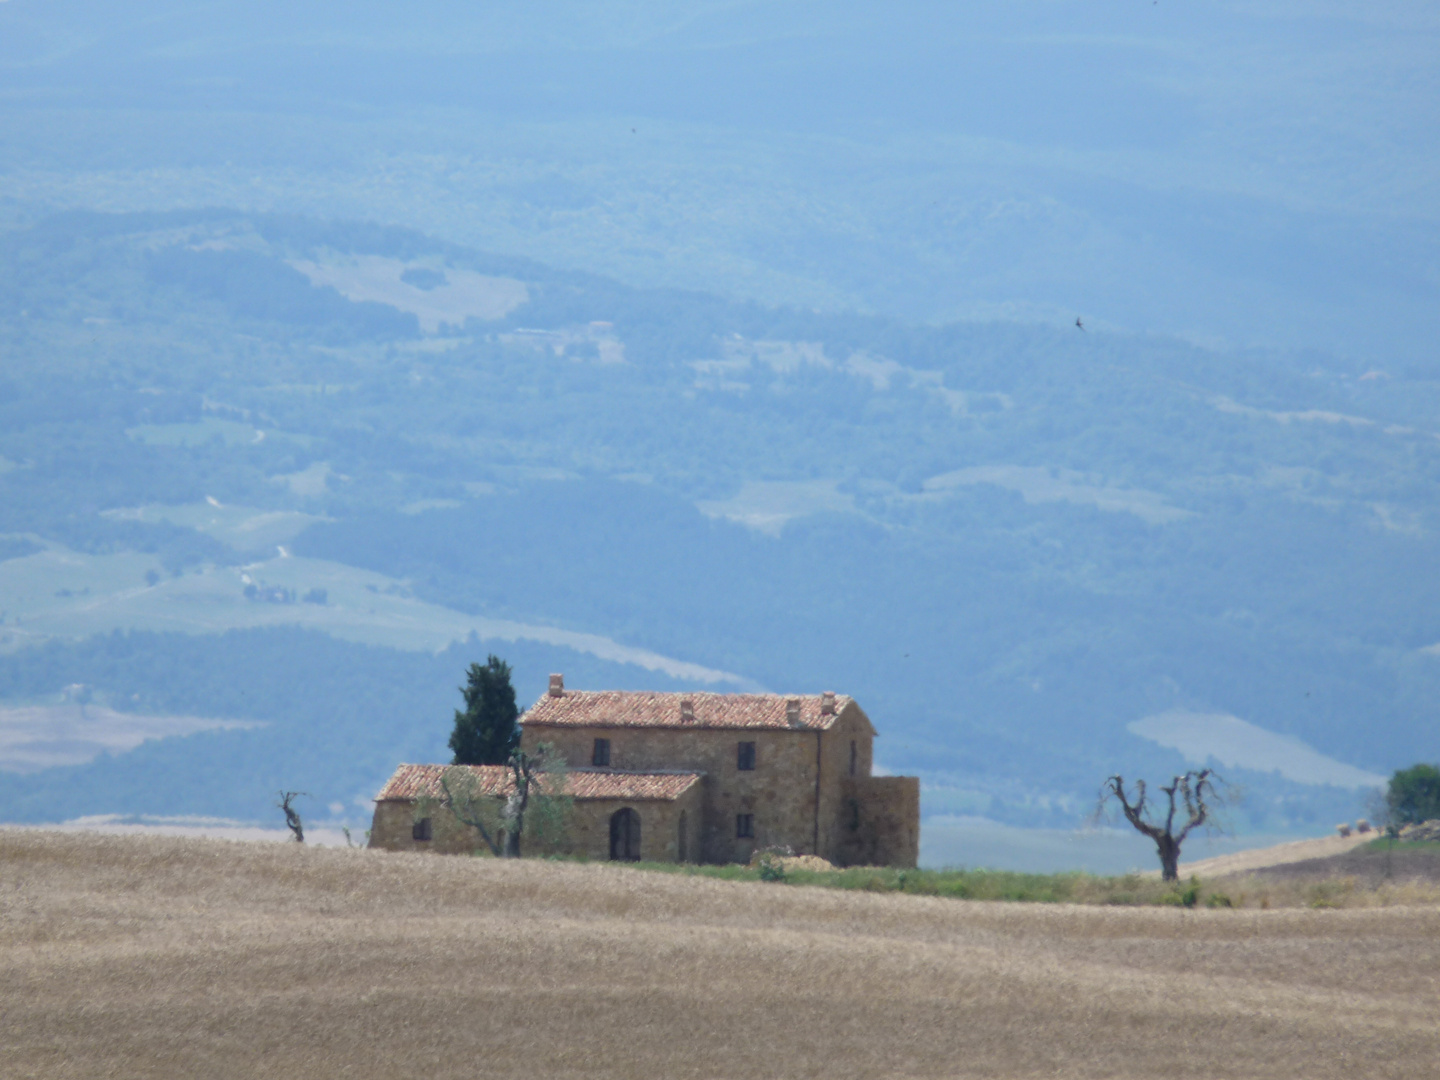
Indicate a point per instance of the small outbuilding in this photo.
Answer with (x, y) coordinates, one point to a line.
(631, 816)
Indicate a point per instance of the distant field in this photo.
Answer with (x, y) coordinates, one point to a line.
(61, 593)
(37, 737)
(173, 957)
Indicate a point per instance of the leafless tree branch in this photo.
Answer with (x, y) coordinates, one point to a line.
(292, 816)
(1199, 791)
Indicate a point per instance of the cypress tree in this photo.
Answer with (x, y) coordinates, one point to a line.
(485, 730)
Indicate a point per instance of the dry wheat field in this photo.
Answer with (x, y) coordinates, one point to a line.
(163, 957)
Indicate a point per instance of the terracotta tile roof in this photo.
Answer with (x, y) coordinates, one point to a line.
(629, 785)
(625, 708)
(415, 781)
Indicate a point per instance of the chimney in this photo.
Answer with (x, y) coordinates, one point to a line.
(827, 703)
(687, 711)
(557, 685)
(792, 711)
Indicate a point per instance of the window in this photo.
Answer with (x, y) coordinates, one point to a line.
(745, 825)
(421, 829)
(601, 756)
(853, 757)
(745, 758)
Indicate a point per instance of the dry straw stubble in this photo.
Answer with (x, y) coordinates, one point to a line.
(170, 957)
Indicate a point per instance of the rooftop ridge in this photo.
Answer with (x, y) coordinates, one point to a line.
(633, 772)
(687, 709)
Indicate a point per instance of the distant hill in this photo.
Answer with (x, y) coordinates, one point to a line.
(1012, 544)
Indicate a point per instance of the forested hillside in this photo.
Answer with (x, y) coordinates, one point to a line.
(300, 459)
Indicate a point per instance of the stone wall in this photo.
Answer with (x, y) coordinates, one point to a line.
(879, 822)
(779, 792)
(587, 833)
(392, 830)
(851, 725)
(660, 820)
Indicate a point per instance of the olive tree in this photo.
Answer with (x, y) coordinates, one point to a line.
(1190, 803)
(529, 800)
(539, 806)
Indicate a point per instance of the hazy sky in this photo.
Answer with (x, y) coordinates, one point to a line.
(1235, 173)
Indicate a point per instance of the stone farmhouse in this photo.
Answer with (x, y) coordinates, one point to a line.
(691, 777)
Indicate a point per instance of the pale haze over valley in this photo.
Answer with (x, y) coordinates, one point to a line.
(1057, 379)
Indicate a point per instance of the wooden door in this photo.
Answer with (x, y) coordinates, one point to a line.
(625, 835)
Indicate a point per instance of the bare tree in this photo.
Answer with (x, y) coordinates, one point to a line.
(1195, 796)
(292, 816)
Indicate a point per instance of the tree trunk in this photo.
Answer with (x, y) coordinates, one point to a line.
(515, 806)
(1169, 852)
(515, 816)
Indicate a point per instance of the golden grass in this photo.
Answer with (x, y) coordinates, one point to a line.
(1338, 891)
(166, 957)
(1324, 887)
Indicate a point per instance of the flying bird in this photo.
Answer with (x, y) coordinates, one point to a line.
(1078, 323)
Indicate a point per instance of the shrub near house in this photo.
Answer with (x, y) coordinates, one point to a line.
(694, 778)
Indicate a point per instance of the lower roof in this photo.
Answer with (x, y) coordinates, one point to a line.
(411, 782)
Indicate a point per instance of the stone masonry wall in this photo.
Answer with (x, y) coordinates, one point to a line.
(779, 792)
(394, 820)
(879, 821)
(850, 726)
(588, 832)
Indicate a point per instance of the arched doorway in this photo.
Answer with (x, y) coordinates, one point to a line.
(625, 835)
